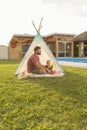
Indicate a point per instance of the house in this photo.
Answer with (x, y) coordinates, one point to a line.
(61, 45)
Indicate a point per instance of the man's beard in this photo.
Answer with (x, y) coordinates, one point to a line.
(39, 53)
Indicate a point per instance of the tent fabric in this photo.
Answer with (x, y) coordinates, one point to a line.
(30, 75)
(45, 55)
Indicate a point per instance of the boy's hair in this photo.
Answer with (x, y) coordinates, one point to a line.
(36, 48)
(48, 61)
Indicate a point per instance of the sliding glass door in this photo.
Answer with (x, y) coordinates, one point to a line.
(64, 49)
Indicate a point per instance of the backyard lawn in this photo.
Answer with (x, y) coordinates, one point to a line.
(58, 103)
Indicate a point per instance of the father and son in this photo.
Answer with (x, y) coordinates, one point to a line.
(34, 65)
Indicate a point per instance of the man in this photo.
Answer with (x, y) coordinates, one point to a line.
(34, 65)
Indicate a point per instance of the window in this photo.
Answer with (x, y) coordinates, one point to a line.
(24, 49)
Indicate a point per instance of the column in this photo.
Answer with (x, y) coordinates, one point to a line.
(81, 49)
(64, 49)
(72, 49)
(56, 48)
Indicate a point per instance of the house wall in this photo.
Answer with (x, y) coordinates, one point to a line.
(15, 53)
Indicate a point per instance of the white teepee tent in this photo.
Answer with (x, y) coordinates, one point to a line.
(45, 55)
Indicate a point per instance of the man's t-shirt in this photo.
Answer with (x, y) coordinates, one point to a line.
(32, 61)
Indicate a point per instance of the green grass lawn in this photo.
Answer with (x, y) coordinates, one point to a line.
(43, 103)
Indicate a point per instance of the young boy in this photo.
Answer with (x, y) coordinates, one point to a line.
(49, 67)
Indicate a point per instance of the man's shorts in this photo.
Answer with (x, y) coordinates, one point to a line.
(36, 71)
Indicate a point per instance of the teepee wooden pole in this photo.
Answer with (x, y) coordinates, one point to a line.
(39, 28)
(34, 26)
(40, 24)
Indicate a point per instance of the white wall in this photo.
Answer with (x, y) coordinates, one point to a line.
(3, 52)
